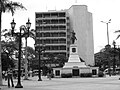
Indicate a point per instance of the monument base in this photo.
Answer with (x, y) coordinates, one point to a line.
(75, 67)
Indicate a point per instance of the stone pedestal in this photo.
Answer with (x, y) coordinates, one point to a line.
(74, 59)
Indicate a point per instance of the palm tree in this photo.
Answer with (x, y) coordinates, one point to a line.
(7, 6)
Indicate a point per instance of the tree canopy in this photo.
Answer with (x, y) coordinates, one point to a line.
(104, 58)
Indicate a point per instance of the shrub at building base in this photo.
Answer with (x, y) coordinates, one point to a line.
(86, 75)
(100, 74)
(68, 75)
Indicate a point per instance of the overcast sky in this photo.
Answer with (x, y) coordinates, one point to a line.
(102, 10)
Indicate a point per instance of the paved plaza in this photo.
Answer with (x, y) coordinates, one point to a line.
(104, 83)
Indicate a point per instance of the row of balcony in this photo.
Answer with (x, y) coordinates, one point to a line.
(52, 41)
(59, 47)
(52, 21)
(51, 31)
(52, 26)
(55, 48)
(55, 53)
(53, 34)
(51, 15)
(50, 38)
(57, 25)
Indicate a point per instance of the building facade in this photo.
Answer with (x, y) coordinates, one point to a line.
(53, 28)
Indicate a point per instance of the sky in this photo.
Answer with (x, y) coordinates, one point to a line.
(102, 10)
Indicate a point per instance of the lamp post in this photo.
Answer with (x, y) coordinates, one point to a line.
(50, 72)
(108, 46)
(114, 60)
(20, 35)
(28, 25)
(107, 29)
(39, 49)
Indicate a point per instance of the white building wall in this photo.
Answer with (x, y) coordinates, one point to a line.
(81, 23)
(90, 41)
(85, 70)
(66, 70)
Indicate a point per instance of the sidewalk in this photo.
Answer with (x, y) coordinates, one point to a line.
(104, 83)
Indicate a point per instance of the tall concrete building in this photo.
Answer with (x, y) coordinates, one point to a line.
(54, 29)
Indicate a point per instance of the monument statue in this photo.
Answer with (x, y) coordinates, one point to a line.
(73, 37)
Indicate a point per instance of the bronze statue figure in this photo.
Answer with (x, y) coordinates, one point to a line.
(73, 37)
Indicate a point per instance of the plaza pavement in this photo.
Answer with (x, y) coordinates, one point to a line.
(103, 83)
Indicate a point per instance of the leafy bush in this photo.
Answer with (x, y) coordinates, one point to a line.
(68, 75)
(52, 75)
(100, 74)
(86, 75)
(63, 75)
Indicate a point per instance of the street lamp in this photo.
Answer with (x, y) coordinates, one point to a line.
(39, 49)
(108, 46)
(20, 35)
(107, 29)
(114, 60)
(28, 25)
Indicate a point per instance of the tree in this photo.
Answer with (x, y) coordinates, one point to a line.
(31, 56)
(7, 61)
(104, 59)
(32, 35)
(7, 6)
(61, 59)
(9, 45)
(118, 31)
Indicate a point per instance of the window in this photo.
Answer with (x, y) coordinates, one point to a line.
(54, 14)
(62, 40)
(54, 21)
(54, 34)
(46, 34)
(38, 15)
(62, 14)
(62, 21)
(38, 34)
(68, 49)
(57, 72)
(73, 49)
(55, 41)
(94, 71)
(62, 34)
(62, 47)
(47, 41)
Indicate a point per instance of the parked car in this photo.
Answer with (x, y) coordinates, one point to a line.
(117, 70)
(36, 72)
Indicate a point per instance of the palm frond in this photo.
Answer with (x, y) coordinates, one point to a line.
(4, 30)
(32, 35)
(118, 31)
(9, 6)
(118, 36)
(18, 5)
